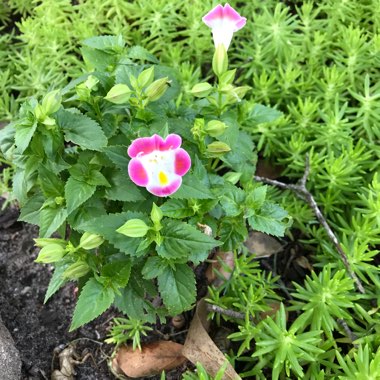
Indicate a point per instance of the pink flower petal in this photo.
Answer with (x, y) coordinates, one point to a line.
(137, 172)
(230, 14)
(166, 190)
(182, 162)
(214, 16)
(172, 141)
(142, 145)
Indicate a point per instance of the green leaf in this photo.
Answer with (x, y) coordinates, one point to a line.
(93, 300)
(30, 212)
(177, 288)
(24, 133)
(232, 201)
(256, 198)
(177, 209)
(105, 43)
(118, 155)
(262, 114)
(56, 281)
(7, 139)
(123, 189)
(153, 267)
(269, 219)
(192, 188)
(96, 178)
(232, 233)
(51, 218)
(81, 130)
(181, 239)
(118, 271)
(138, 52)
(51, 184)
(76, 193)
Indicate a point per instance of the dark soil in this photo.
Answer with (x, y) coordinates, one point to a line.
(41, 331)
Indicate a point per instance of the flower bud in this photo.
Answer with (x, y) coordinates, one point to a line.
(198, 128)
(220, 60)
(43, 242)
(90, 241)
(155, 90)
(50, 254)
(51, 102)
(232, 177)
(119, 94)
(215, 128)
(134, 228)
(238, 93)
(217, 148)
(146, 77)
(201, 90)
(228, 77)
(156, 214)
(76, 270)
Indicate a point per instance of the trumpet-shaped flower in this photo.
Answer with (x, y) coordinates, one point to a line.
(224, 22)
(158, 164)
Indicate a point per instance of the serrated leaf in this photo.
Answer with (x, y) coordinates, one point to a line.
(192, 188)
(93, 300)
(138, 52)
(105, 43)
(30, 212)
(232, 200)
(262, 114)
(232, 232)
(24, 133)
(153, 267)
(76, 193)
(176, 209)
(181, 239)
(177, 288)
(123, 189)
(51, 218)
(7, 139)
(56, 281)
(118, 271)
(269, 219)
(118, 155)
(81, 130)
(50, 183)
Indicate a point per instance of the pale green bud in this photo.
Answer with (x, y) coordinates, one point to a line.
(51, 102)
(50, 254)
(220, 60)
(146, 77)
(198, 128)
(76, 270)
(232, 177)
(91, 82)
(90, 241)
(39, 113)
(215, 128)
(156, 214)
(201, 90)
(134, 228)
(238, 93)
(43, 242)
(119, 94)
(217, 148)
(228, 77)
(155, 90)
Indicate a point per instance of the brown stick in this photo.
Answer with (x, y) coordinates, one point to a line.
(302, 192)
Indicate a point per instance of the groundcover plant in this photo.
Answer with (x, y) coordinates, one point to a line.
(315, 61)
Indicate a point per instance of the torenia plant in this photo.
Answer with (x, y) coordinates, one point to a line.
(123, 178)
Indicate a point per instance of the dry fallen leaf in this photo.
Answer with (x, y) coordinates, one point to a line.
(262, 245)
(303, 262)
(222, 263)
(199, 347)
(151, 360)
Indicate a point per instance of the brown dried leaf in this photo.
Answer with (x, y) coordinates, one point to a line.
(262, 245)
(199, 347)
(222, 263)
(265, 169)
(303, 262)
(151, 360)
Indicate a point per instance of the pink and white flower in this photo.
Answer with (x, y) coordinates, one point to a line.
(224, 22)
(158, 164)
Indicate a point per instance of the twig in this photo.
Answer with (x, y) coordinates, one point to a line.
(226, 312)
(347, 330)
(301, 191)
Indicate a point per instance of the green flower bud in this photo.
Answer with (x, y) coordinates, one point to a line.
(218, 148)
(43, 242)
(90, 241)
(215, 128)
(156, 214)
(155, 90)
(91, 82)
(146, 77)
(228, 77)
(76, 270)
(232, 177)
(198, 128)
(39, 113)
(119, 94)
(238, 93)
(51, 102)
(134, 228)
(201, 90)
(50, 254)
(220, 60)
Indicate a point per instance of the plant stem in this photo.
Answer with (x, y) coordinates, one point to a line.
(301, 191)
